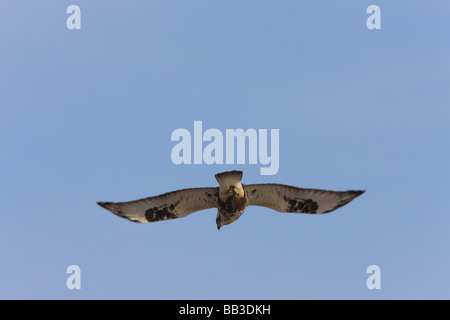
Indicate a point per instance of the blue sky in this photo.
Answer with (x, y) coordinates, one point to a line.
(87, 115)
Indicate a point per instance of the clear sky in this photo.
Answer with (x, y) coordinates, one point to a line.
(87, 115)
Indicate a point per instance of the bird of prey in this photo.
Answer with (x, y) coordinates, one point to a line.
(231, 198)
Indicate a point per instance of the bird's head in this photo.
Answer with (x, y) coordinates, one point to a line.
(232, 191)
(235, 191)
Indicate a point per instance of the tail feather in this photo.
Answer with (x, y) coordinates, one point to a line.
(229, 177)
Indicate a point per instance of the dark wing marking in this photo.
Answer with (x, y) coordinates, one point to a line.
(171, 205)
(283, 198)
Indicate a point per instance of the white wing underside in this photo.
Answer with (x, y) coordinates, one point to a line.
(283, 198)
(171, 205)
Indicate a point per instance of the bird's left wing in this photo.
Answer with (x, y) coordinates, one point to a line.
(283, 198)
(171, 205)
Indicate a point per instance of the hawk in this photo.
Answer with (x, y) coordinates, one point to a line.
(231, 198)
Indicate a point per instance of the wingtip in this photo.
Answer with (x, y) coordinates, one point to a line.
(358, 192)
(112, 208)
(353, 194)
(103, 204)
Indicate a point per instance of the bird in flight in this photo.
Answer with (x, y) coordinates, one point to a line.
(231, 198)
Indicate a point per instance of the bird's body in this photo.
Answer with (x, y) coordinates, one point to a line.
(231, 199)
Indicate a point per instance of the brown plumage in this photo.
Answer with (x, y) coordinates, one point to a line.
(231, 199)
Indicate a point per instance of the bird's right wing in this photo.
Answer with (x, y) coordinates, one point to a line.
(283, 198)
(171, 205)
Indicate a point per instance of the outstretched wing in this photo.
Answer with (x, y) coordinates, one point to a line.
(283, 198)
(171, 205)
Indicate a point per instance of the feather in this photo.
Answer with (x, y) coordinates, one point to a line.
(283, 198)
(171, 205)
